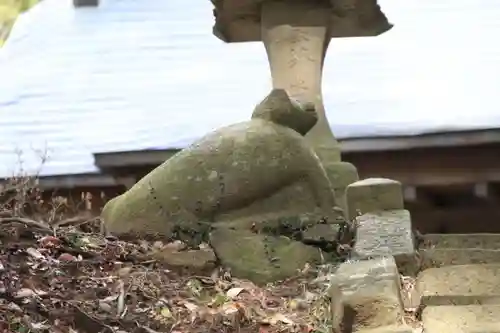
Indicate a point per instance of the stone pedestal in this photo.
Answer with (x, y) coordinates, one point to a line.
(296, 36)
(383, 226)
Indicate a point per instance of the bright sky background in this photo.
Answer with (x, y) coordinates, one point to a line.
(149, 74)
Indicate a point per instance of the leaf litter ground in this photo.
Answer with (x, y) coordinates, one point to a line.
(73, 279)
(63, 276)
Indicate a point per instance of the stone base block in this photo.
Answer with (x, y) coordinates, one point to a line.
(371, 293)
(373, 194)
(263, 258)
(387, 233)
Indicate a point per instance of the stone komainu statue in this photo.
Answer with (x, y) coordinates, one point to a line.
(244, 170)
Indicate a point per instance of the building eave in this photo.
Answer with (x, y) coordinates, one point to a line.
(348, 145)
(132, 158)
(443, 139)
(79, 181)
(108, 162)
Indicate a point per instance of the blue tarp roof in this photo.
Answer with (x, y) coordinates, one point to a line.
(132, 75)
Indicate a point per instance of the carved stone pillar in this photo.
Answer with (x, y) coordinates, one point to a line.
(296, 35)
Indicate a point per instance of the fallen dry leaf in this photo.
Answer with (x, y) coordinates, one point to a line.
(278, 317)
(66, 257)
(24, 293)
(234, 292)
(49, 242)
(34, 253)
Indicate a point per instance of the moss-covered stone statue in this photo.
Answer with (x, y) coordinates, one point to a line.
(244, 172)
(227, 171)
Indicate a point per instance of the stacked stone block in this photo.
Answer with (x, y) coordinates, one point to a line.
(383, 226)
(370, 294)
(374, 195)
(384, 248)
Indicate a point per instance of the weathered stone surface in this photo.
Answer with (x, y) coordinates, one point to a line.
(279, 108)
(282, 223)
(228, 170)
(296, 63)
(241, 21)
(439, 257)
(367, 276)
(460, 285)
(371, 291)
(320, 233)
(387, 233)
(480, 241)
(341, 174)
(372, 195)
(462, 319)
(282, 202)
(262, 258)
(199, 260)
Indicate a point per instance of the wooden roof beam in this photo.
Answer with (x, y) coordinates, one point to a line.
(416, 196)
(487, 191)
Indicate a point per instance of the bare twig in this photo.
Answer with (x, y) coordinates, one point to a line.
(28, 222)
(77, 220)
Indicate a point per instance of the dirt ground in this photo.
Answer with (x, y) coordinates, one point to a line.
(58, 274)
(69, 278)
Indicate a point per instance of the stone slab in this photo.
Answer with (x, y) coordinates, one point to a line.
(371, 293)
(482, 241)
(462, 319)
(373, 194)
(459, 285)
(387, 233)
(439, 257)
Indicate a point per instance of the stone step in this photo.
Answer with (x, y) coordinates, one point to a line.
(462, 319)
(439, 257)
(459, 285)
(481, 241)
